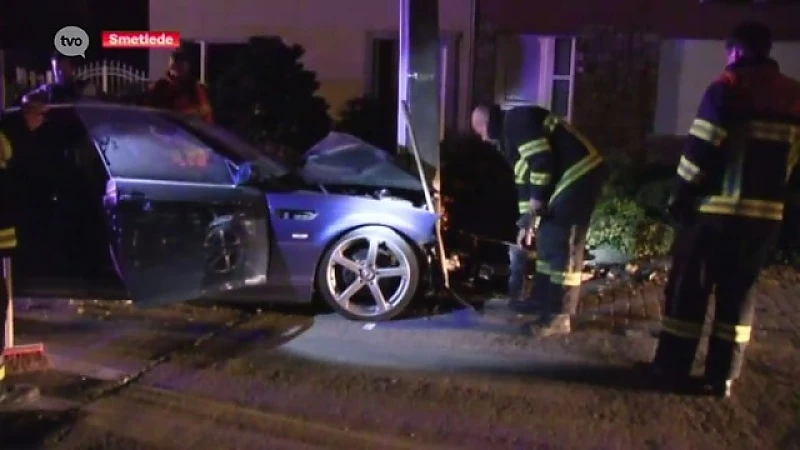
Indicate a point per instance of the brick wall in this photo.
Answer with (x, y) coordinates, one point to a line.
(616, 86)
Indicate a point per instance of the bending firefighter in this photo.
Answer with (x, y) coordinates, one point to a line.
(737, 169)
(559, 175)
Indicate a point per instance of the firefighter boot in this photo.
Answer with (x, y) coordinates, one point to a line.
(549, 325)
(719, 388)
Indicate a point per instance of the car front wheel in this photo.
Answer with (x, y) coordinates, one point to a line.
(369, 274)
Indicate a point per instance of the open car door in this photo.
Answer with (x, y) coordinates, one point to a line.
(181, 229)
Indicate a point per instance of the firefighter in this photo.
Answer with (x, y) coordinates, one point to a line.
(33, 111)
(559, 175)
(66, 87)
(731, 185)
(179, 90)
(487, 123)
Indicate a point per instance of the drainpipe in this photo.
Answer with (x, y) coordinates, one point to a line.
(474, 24)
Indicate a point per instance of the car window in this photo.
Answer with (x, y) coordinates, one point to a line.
(142, 144)
(233, 146)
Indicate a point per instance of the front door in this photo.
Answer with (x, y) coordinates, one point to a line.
(180, 228)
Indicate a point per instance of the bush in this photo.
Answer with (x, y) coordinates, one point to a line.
(621, 223)
(270, 98)
(653, 198)
(370, 120)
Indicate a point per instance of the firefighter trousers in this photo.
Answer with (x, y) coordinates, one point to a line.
(723, 256)
(560, 245)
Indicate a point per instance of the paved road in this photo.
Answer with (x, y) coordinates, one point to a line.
(226, 377)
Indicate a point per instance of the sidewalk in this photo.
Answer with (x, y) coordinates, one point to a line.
(638, 306)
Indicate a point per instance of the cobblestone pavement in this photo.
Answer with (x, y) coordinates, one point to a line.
(638, 306)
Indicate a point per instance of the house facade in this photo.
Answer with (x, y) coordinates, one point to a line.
(628, 72)
(352, 45)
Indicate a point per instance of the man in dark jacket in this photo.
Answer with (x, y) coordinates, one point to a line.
(487, 123)
(559, 175)
(732, 183)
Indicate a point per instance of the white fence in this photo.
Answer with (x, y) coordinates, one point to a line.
(108, 77)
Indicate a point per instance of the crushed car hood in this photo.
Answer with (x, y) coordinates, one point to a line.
(343, 159)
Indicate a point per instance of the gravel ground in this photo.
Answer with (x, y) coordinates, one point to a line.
(473, 387)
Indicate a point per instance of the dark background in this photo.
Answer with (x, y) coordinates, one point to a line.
(27, 28)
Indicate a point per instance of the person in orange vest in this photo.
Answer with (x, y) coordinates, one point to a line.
(179, 90)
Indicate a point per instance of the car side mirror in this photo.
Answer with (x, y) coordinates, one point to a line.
(249, 174)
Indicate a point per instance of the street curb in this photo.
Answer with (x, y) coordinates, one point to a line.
(84, 368)
(19, 396)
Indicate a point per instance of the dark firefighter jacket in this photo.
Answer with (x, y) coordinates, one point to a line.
(8, 206)
(743, 147)
(187, 97)
(550, 154)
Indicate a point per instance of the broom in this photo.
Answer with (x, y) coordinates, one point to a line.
(19, 358)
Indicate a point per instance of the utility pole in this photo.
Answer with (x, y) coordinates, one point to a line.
(419, 77)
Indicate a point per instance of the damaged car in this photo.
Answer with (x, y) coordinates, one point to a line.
(176, 209)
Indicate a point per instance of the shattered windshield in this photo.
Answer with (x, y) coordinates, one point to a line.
(344, 159)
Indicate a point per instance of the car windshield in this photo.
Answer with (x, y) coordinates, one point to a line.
(344, 159)
(234, 147)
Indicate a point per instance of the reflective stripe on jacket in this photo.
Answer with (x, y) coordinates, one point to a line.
(8, 233)
(744, 144)
(551, 154)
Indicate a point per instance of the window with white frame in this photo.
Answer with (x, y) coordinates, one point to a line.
(536, 70)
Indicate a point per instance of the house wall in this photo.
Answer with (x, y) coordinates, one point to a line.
(334, 34)
(686, 19)
(686, 69)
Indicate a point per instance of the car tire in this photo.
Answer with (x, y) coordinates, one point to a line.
(394, 270)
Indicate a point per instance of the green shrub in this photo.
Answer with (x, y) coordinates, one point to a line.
(621, 223)
(653, 198)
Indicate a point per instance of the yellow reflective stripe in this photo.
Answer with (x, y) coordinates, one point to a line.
(550, 123)
(768, 131)
(540, 178)
(521, 172)
(576, 171)
(533, 147)
(5, 150)
(733, 206)
(8, 238)
(689, 170)
(680, 328)
(524, 206)
(562, 278)
(793, 158)
(707, 131)
(739, 334)
(2, 371)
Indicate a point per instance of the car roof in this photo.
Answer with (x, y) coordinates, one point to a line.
(94, 105)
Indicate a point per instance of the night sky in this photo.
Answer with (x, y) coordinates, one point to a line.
(27, 27)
